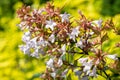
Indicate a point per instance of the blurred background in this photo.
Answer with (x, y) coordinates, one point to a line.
(14, 65)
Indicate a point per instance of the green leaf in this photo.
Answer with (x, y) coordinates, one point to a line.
(68, 57)
(37, 75)
(77, 56)
(69, 77)
(64, 57)
(75, 62)
(77, 49)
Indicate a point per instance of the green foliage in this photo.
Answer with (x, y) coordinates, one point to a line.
(15, 65)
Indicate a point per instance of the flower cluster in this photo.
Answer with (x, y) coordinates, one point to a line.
(47, 31)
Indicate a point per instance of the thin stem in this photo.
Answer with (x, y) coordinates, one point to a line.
(107, 75)
(68, 64)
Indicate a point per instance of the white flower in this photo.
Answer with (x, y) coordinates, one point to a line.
(42, 42)
(50, 63)
(41, 50)
(25, 49)
(114, 57)
(97, 61)
(26, 17)
(93, 73)
(60, 62)
(80, 44)
(23, 25)
(53, 75)
(35, 53)
(87, 66)
(88, 72)
(35, 11)
(50, 24)
(97, 23)
(65, 17)
(72, 36)
(63, 49)
(64, 73)
(74, 33)
(83, 60)
(52, 38)
(91, 33)
(32, 43)
(26, 37)
(27, 33)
